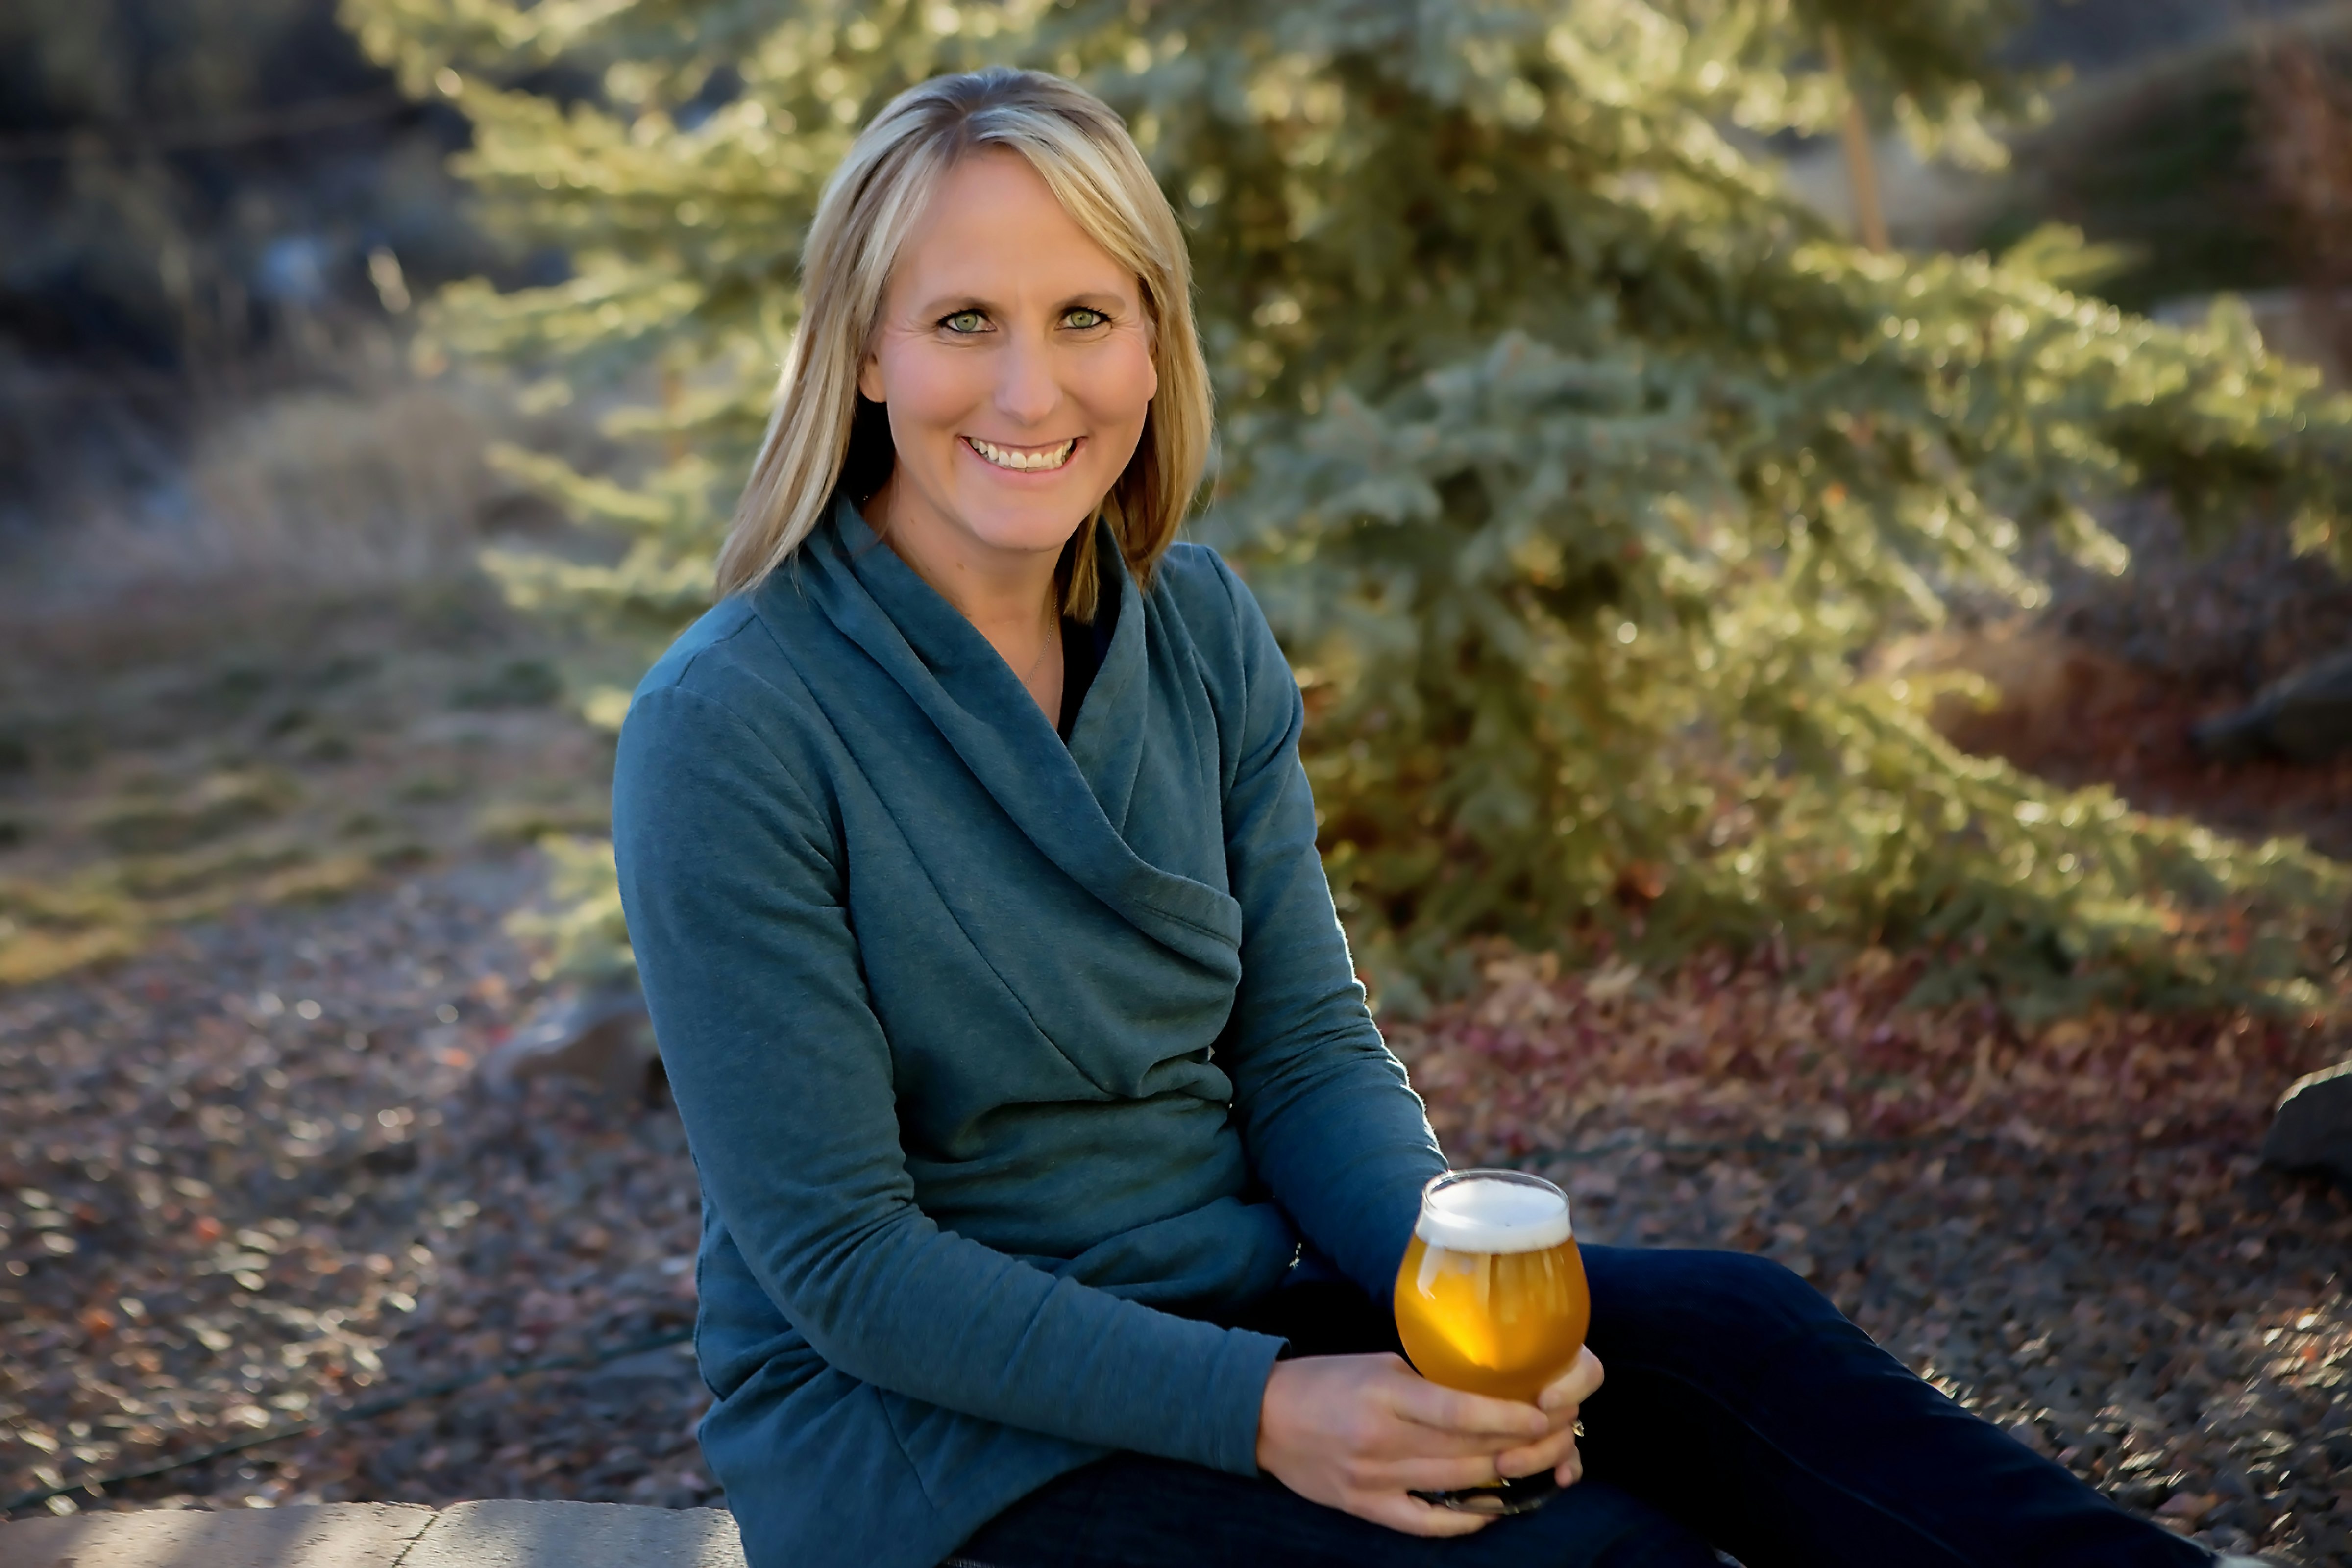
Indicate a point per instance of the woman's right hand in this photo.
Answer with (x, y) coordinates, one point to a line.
(1361, 1433)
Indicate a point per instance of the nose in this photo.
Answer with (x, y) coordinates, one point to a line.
(1026, 390)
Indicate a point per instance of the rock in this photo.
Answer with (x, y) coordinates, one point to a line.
(2313, 1129)
(332, 1535)
(2304, 717)
(601, 1035)
(493, 1534)
(511, 1535)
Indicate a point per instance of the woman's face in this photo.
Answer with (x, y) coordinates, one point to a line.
(1015, 364)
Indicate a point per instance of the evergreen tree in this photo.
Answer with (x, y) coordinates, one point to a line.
(1578, 465)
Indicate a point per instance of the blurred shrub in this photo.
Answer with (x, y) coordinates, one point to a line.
(370, 478)
(217, 804)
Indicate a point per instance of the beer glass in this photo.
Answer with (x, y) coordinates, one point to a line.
(1491, 1299)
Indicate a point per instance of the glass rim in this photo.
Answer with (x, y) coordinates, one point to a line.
(1488, 1173)
(1436, 1227)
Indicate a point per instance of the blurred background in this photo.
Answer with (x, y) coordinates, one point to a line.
(1813, 540)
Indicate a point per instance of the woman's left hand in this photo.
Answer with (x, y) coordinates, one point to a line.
(1560, 1401)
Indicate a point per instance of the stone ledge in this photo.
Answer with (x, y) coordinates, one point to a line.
(497, 1533)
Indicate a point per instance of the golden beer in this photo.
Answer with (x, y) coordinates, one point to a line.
(1491, 1298)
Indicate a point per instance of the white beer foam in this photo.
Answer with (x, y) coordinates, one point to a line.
(1490, 1216)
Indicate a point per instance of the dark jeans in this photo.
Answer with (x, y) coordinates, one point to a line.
(1741, 1412)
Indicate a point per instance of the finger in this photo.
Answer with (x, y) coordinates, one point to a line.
(1532, 1457)
(1562, 1418)
(1402, 1441)
(1571, 1468)
(1414, 1517)
(1425, 1403)
(1575, 1386)
(1432, 1475)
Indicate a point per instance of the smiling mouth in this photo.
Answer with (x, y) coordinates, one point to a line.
(1023, 459)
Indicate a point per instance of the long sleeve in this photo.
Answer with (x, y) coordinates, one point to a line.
(1327, 1116)
(736, 903)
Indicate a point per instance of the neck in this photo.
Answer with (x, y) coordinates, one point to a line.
(1009, 597)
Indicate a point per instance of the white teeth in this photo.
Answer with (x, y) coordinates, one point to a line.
(1020, 461)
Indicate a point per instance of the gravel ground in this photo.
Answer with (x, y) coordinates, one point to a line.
(255, 1178)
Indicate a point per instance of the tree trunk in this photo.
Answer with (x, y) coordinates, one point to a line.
(1861, 164)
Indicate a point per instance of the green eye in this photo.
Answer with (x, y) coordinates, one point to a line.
(964, 321)
(1084, 318)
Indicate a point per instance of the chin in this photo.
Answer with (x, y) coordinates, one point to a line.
(1028, 516)
(1037, 523)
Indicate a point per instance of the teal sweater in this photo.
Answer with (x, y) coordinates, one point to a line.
(1007, 1064)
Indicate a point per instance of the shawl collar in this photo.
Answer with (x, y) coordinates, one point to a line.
(1071, 802)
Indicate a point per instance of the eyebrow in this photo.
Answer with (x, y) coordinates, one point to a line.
(949, 304)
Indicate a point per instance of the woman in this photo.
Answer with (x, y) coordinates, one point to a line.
(1054, 1172)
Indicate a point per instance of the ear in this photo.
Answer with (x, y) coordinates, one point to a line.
(869, 379)
(1150, 338)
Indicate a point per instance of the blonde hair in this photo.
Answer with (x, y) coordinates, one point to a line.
(823, 438)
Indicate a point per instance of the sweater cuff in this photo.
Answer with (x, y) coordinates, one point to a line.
(1236, 1396)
